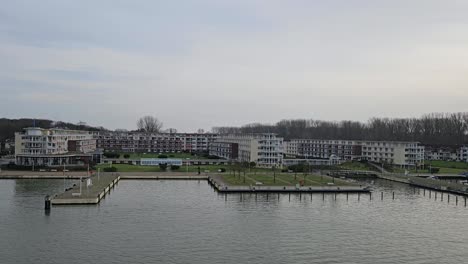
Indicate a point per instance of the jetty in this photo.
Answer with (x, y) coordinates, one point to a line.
(221, 186)
(88, 191)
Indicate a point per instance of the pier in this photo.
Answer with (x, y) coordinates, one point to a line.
(220, 186)
(89, 191)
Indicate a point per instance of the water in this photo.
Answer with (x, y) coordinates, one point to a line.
(187, 222)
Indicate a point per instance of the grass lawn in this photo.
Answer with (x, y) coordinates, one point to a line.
(448, 164)
(354, 165)
(138, 168)
(282, 179)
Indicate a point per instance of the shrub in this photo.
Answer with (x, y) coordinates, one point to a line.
(163, 166)
(126, 156)
(110, 169)
(111, 155)
(434, 170)
(222, 170)
(175, 167)
(162, 156)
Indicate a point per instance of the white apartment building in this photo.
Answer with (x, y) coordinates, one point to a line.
(323, 148)
(393, 152)
(265, 149)
(53, 146)
(463, 154)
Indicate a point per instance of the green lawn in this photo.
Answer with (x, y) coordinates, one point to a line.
(138, 168)
(354, 165)
(448, 164)
(282, 179)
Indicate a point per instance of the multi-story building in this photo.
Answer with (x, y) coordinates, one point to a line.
(441, 153)
(225, 150)
(463, 154)
(158, 143)
(399, 153)
(265, 149)
(393, 152)
(322, 148)
(53, 147)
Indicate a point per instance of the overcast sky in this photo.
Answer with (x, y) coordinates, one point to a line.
(203, 63)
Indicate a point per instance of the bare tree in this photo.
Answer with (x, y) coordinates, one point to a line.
(149, 124)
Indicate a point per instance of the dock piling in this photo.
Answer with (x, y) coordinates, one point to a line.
(47, 203)
(393, 195)
(323, 196)
(456, 200)
(347, 195)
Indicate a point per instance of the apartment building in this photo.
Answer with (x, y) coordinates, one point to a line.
(323, 149)
(157, 143)
(265, 149)
(463, 154)
(399, 153)
(441, 153)
(53, 147)
(393, 152)
(225, 150)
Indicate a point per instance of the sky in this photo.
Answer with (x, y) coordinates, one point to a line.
(203, 63)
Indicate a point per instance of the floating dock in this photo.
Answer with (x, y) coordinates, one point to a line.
(90, 191)
(224, 188)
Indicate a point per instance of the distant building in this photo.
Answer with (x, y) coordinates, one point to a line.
(265, 149)
(463, 154)
(391, 152)
(441, 153)
(154, 143)
(53, 147)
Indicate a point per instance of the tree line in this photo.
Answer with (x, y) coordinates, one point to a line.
(8, 127)
(436, 129)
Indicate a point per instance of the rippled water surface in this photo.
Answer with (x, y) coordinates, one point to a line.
(187, 222)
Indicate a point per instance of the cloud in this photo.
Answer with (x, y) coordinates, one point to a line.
(205, 63)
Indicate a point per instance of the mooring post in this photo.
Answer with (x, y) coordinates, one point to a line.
(289, 196)
(456, 200)
(359, 196)
(448, 198)
(47, 203)
(381, 196)
(241, 197)
(323, 196)
(465, 201)
(347, 195)
(430, 192)
(335, 196)
(393, 195)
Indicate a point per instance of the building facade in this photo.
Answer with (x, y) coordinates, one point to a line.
(463, 154)
(53, 147)
(154, 143)
(391, 152)
(265, 149)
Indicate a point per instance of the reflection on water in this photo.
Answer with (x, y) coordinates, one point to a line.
(187, 222)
